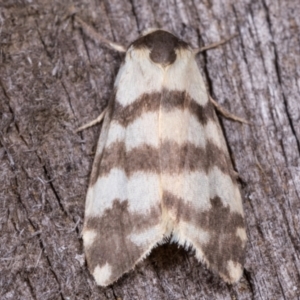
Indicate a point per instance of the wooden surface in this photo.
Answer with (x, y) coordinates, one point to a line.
(53, 78)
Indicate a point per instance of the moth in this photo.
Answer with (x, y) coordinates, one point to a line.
(161, 168)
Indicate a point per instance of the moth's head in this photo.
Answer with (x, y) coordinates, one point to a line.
(162, 46)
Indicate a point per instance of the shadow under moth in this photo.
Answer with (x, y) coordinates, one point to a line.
(162, 168)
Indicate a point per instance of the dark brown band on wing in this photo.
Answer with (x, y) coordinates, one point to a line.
(112, 243)
(167, 100)
(177, 158)
(174, 158)
(224, 244)
(144, 158)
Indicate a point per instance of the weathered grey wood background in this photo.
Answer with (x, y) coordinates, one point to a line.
(54, 78)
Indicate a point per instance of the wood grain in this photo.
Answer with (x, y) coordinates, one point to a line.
(54, 78)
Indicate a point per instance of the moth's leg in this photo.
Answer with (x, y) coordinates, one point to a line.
(94, 122)
(211, 46)
(91, 32)
(222, 110)
(226, 113)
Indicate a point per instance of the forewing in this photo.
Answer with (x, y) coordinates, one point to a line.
(123, 212)
(200, 192)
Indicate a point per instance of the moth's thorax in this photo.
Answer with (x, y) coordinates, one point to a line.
(163, 46)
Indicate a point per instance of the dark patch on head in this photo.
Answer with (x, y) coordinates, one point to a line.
(112, 244)
(221, 224)
(162, 46)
